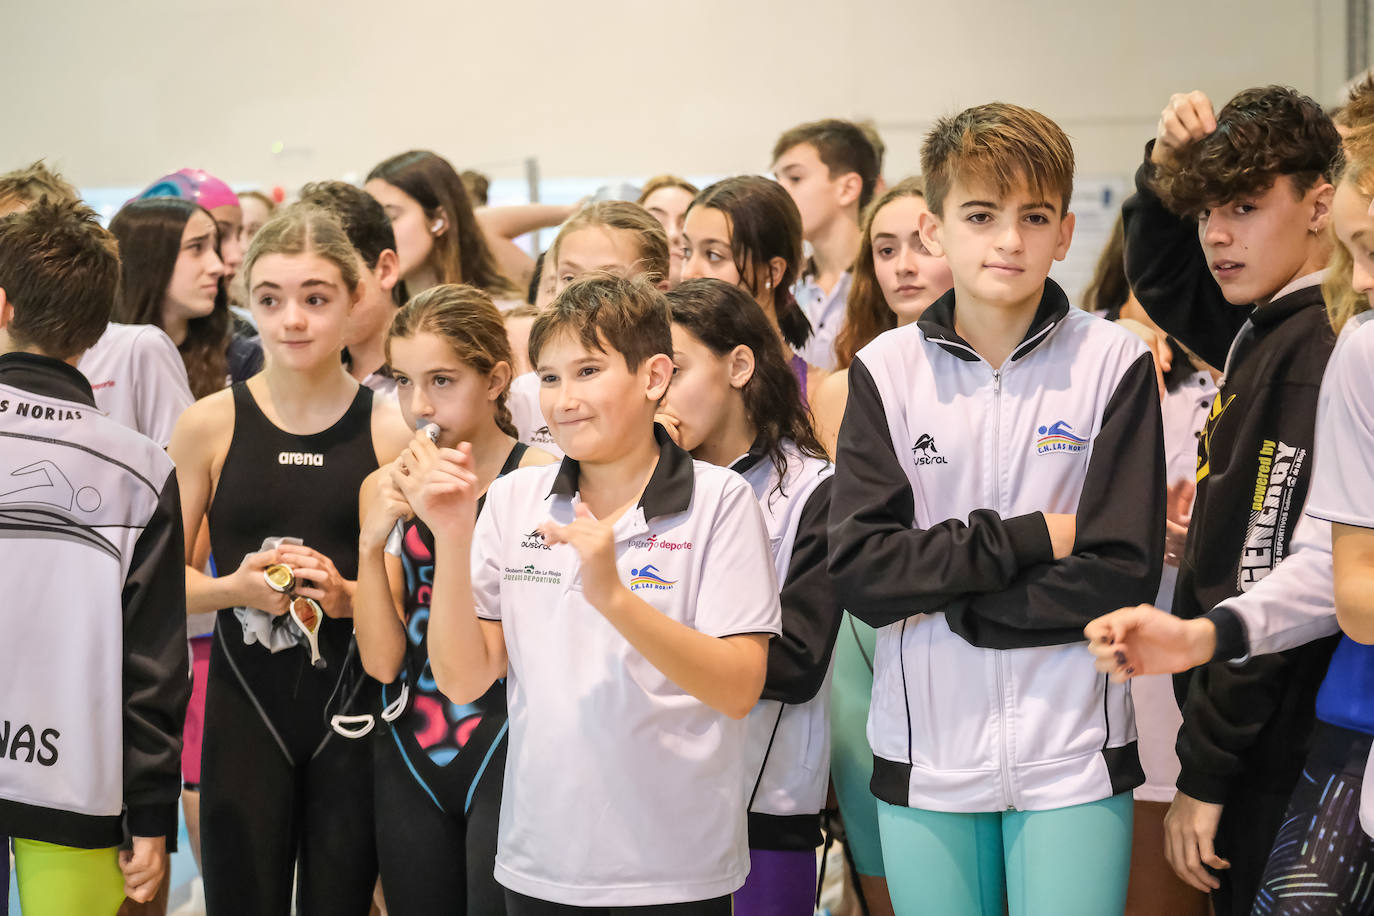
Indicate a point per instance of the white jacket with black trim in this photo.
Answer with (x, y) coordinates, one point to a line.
(984, 693)
(788, 751)
(93, 662)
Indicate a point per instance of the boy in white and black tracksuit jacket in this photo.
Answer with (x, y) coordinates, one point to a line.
(933, 436)
(999, 482)
(93, 663)
(1246, 728)
(93, 563)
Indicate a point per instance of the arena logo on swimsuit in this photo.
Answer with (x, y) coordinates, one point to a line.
(24, 742)
(312, 459)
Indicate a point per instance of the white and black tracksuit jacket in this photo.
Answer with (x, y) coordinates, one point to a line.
(984, 692)
(93, 659)
(788, 751)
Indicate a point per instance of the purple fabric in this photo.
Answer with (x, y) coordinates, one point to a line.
(780, 883)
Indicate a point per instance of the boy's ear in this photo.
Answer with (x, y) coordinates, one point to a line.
(658, 373)
(1061, 249)
(498, 379)
(1320, 199)
(931, 232)
(741, 366)
(388, 270)
(6, 310)
(848, 187)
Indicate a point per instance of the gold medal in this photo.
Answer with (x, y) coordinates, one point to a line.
(279, 577)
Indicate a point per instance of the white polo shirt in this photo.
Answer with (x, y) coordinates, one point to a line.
(826, 313)
(530, 425)
(138, 379)
(621, 789)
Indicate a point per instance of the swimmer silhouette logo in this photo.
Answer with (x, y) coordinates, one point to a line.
(1059, 437)
(648, 578)
(44, 482)
(924, 451)
(39, 500)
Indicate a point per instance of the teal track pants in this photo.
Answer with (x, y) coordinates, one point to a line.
(1071, 861)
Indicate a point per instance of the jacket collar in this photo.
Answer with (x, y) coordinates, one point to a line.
(46, 376)
(750, 459)
(1292, 299)
(937, 324)
(669, 490)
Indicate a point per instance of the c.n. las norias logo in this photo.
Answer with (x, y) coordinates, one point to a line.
(649, 577)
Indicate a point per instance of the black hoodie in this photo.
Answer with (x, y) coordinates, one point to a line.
(1249, 722)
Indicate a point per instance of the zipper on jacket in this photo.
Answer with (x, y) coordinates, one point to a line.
(1004, 767)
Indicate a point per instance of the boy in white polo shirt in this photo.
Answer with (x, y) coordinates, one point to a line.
(628, 595)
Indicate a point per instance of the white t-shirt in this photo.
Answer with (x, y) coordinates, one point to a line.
(1341, 490)
(138, 379)
(621, 789)
(533, 429)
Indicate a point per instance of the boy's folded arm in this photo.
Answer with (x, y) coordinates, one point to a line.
(811, 610)
(1168, 273)
(724, 672)
(155, 683)
(885, 569)
(1118, 553)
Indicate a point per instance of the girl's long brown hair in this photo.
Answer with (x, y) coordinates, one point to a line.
(461, 254)
(866, 312)
(149, 233)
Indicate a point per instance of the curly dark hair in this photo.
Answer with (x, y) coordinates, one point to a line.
(1261, 134)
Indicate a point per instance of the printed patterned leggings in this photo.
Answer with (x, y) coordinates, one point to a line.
(1323, 861)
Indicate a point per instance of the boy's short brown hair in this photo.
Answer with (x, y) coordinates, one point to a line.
(1261, 134)
(60, 270)
(608, 313)
(842, 145)
(25, 186)
(1000, 145)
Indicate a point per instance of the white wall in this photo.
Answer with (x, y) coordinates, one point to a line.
(119, 93)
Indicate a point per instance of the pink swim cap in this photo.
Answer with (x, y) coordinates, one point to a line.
(194, 185)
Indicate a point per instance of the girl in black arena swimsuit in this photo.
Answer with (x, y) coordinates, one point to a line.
(282, 455)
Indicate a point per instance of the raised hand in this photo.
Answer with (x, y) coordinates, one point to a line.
(383, 510)
(1145, 640)
(672, 424)
(440, 485)
(1187, 118)
(595, 545)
